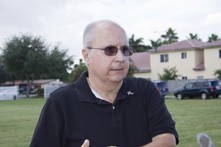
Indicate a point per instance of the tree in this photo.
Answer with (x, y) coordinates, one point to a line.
(218, 73)
(169, 74)
(155, 44)
(23, 56)
(137, 44)
(170, 36)
(2, 72)
(4, 75)
(77, 70)
(58, 63)
(131, 71)
(213, 37)
(194, 37)
(28, 58)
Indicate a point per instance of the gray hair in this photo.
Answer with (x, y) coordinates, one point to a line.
(90, 30)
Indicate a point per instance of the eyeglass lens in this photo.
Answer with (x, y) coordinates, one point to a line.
(112, 50)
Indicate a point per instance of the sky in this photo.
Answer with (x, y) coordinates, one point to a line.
(63, 21)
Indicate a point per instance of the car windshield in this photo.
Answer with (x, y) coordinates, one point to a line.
(189, 85)
(214, 83)
(161, 84)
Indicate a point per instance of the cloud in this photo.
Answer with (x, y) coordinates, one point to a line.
(64, 20)
(212, 18)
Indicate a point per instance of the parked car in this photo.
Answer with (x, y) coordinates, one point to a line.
(162, 87)
(203, 89)
(23, 90)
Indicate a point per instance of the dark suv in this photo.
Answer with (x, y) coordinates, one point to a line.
(203, 89)
(162, 87)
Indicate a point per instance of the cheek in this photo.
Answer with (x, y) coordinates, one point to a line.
(100, 63)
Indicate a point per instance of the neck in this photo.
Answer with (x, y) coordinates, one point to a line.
(107, 90)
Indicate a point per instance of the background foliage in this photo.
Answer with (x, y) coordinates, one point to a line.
(169, 74)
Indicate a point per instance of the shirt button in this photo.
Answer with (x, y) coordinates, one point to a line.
(113, 107)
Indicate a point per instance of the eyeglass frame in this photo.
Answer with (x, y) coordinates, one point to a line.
(129, 50)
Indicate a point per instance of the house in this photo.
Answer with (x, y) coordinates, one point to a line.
(141, 62)
(212, 58)
(193, 59)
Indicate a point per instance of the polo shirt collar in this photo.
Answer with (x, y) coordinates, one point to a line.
(86, 95)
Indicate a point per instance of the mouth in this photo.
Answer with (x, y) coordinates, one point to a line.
(117, 69)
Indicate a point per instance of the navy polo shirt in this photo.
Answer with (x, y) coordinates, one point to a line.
(72, 114)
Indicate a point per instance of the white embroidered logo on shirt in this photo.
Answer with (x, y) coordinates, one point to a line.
(130, 93)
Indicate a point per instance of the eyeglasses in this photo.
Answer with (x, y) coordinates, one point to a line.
(112, 50)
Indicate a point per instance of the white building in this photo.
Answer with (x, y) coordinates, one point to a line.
(192, 58)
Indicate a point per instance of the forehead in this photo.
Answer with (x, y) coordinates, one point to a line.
(111, 35)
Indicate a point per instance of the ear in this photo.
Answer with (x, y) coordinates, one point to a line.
(85, 53)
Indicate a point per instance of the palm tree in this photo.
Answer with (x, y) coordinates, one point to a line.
(170, 36)
(194, 37)
(169, 74)
(155, 44)
(213, 37)
(137, 44)
(218, 73)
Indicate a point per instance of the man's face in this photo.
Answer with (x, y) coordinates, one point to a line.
(108, 68)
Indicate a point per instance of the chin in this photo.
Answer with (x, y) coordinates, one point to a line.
(117, 78)
(117, 75)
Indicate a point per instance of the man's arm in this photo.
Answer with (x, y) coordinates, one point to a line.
(165, 140)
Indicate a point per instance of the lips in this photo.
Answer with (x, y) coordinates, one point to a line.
(117, 69)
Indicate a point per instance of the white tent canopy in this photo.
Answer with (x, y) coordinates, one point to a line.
(52, 86)
(8, 92)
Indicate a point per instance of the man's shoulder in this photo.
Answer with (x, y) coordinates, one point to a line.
(64, 91)
(138, 84)
(65, 88)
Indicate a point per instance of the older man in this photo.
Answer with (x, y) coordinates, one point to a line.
(104, 108)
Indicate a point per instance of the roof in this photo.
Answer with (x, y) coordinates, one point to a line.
(185, 44)
(213, 44)
(35, 82)
(43, 81)
(141, 61)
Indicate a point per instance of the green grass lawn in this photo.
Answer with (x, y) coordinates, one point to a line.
(195, 116)
(18, 119)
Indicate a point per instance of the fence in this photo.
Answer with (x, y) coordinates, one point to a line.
(175, 84)
(8, 93)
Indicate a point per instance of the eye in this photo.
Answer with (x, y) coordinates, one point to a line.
(127, 51)
(111, 50)
(125, 48)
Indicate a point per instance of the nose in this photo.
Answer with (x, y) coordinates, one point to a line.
(120, 56)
